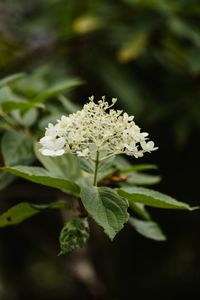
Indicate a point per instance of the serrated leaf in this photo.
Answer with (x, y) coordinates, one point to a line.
(57, 89)
(106, 207)
(66, 166)
(74, 235)
(17, 148)
(148, 229)
(43, 177)
(151, 198)
(23, 211)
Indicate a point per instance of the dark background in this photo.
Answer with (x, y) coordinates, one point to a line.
(146, 53)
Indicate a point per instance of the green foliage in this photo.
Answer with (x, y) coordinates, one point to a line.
(42, 176)
(23, 211)
(65, 166)
(22, 105)
(87, 165)
(69, 106)
(11, 79)
(57, 89)
(148, 229)
(137, 178)
(10, 101)
(140, 210)
(27, 118)
(151, 198)
(17, 214)
(106, 164)
(17, 148)
(74, 235)
(21, 97)
(148, 47)
(107, 208)
(5, 179)
(21, 116)
(135, 168)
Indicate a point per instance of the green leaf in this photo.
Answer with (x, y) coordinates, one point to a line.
(17, 148)
(137, 178)
(17, 214)
(10, 105)
(23, 211)
(10, 101)
(121, 163)
(151, 198)
(26, 119)
(61, 204)
(107, 208)
(11, 79)
(87, 165)
(32, 84)
(140, 210)
(136, 168)
(74, 235)
(66, 166)
(57, 89)
(43, 177)
(5, 179)
(148, 229)
(106, 164)
(6, 94)
(69, 106)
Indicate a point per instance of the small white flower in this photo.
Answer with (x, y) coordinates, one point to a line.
(51, 130)
(48, 152)
(96, 124)
(83, 153)
(149, 146)
(145, 134)
(52, 146)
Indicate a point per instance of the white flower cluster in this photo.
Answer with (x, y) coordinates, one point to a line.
(96, 127)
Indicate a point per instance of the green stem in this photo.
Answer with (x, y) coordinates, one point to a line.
(96, 168)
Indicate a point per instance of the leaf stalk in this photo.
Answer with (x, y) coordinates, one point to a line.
(96, 168)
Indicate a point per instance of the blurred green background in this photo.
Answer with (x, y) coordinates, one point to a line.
(147, 54)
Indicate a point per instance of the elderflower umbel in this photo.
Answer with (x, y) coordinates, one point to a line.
(96, 127)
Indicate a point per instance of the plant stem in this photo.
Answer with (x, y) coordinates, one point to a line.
(96, 168)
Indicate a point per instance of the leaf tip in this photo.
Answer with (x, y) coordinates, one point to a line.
(194, 208)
